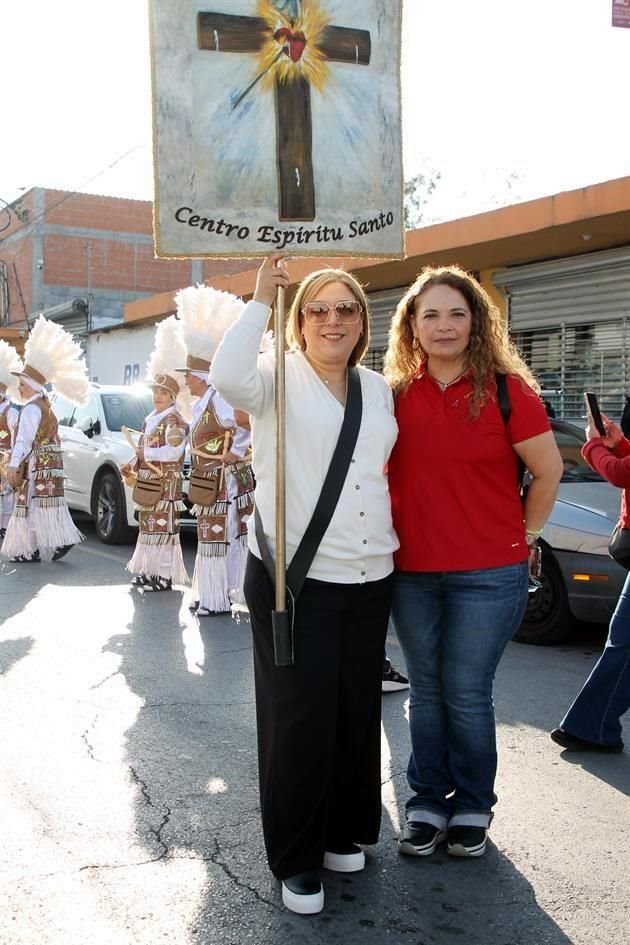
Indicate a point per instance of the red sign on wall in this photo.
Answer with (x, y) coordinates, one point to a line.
(621, 13)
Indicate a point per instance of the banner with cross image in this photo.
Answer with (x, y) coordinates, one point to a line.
(277, 127)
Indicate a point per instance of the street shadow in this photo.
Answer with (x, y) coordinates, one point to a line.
(613, 770)
(191, 758)
(12, 651)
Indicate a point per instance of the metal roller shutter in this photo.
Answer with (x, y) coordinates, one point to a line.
(573, 291)
(382, 308)
(571, 321)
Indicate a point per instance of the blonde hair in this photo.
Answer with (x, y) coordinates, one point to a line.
(308, 289)
(489, 349)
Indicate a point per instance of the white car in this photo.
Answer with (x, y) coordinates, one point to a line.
(95, 449)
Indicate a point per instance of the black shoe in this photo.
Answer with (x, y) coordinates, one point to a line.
(393, 681)
(156, 583)
(139, 580)
(466, 841)
(61, 551)
(192, 607)
(3, 532)
(573, 743)
(419, 838)
(33, 558)
(303, 893)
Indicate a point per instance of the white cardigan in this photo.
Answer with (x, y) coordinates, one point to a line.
(359, 543)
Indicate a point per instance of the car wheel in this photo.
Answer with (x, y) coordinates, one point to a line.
(548, 618)
(109, 511)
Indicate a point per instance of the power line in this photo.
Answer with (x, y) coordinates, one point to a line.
(78, 191)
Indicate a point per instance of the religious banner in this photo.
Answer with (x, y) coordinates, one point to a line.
(621, 13)
(277, 127)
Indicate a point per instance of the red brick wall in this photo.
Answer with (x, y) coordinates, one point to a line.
(115, 264)
(102, 213)
(20, 253)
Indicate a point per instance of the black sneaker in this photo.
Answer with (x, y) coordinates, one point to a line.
(419, 838)
(156, 583)
(303, 893)
(33, 558)
(466, 841)
(573, 743)
(61, 551)
(393, 681)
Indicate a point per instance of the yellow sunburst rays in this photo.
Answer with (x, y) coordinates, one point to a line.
(310, 25)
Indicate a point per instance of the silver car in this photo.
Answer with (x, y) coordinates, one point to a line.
(579, 578)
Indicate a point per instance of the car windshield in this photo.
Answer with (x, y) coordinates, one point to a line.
(126, 410)
(570, 441)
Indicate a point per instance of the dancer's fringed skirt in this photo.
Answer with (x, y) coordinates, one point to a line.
(40, 520)
(222, 542)
(158, 551)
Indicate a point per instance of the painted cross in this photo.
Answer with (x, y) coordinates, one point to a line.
(223, 32)
(151, 523)
(50, 486)
(204, 528)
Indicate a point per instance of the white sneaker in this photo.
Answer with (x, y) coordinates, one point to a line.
(348, 860)
(303, 893)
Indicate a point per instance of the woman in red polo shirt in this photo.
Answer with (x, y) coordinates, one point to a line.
(465, 541)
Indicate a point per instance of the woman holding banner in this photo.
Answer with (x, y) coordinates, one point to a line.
(319, 718)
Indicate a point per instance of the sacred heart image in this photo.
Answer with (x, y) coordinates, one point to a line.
(277, 127)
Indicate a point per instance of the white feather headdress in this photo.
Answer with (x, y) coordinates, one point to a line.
(10, 365)
(205, 315)
(58, 359)
(169, 353)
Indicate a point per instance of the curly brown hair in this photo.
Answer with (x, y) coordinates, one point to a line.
(490, 348)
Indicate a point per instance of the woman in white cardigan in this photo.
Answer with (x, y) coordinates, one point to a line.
(319, 719)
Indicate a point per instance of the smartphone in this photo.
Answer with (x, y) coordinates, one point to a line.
(593, 408)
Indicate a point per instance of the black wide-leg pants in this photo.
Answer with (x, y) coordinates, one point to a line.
(319, 720)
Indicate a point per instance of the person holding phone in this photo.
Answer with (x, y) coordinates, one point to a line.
(460, 584)
(319, 719)
(593, 722)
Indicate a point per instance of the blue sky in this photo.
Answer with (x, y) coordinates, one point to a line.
(508, 99)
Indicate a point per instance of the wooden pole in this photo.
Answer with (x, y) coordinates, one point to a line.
(281, 622)
(281, 542)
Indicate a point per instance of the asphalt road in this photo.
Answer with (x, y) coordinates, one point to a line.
(129, 805)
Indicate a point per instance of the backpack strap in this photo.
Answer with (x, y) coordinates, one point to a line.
(503, 400)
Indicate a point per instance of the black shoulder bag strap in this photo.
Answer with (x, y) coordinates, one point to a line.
(329, 496)
(503, 399)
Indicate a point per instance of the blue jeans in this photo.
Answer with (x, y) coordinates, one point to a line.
(453, 627)
(595, 714)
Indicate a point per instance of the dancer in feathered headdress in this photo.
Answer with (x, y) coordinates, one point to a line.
(40, 525)
(221, 482)
(10, 364)
(157, 562)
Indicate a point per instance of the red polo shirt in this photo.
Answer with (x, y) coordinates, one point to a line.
(453, 479)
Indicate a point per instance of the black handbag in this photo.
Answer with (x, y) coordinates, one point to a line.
(320, 520)
(619, 546)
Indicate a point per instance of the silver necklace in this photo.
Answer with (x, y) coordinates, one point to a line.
(444, 384)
